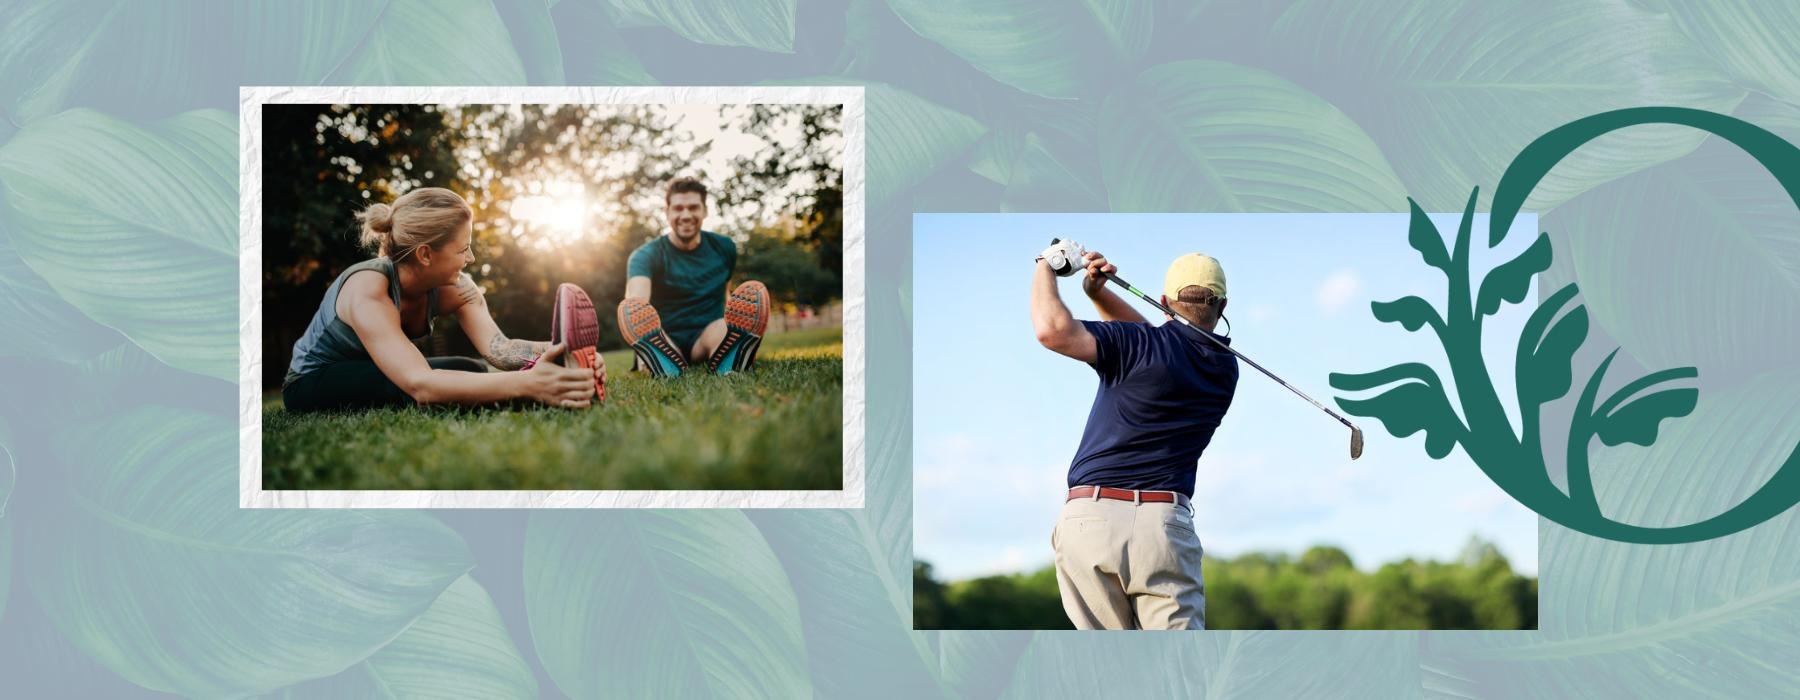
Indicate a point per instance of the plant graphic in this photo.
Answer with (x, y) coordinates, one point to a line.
(1418, 402)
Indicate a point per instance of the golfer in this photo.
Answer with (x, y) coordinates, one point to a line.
(1127, 556)
(684, 273)
(359, 351)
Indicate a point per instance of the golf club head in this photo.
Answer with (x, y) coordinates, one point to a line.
(1355, 442)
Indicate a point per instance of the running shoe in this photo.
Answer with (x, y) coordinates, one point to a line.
(572, 321)
(642, 328)
(746, 318)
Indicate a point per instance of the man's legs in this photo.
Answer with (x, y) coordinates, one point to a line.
(643, 331)
(707, 342)
(1090, 540)
(746, 319)
(1164, 582)
(723, 346)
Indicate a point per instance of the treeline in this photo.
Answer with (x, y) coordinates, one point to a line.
(1320, 589)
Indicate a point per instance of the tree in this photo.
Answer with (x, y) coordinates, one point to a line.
(811, 169)
(929, 606)
(1270, 590)
(790, 271)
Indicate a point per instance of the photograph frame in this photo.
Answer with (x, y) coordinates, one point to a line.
(251, 100)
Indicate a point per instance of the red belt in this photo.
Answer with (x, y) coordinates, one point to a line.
(1111, 493)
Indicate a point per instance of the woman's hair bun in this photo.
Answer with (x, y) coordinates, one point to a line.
(377, 225)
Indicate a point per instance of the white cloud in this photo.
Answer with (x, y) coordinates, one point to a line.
(1484, 502)
(1013, 559)
(1339, 290)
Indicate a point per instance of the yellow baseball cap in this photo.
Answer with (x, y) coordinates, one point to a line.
(1194, 270)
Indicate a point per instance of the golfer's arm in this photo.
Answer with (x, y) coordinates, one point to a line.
(637, 288)
(1056, 328)
(1113, 307)
(377, 324)
(470, 307)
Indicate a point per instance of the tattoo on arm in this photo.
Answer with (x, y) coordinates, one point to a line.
(508, 354)
(470, 293)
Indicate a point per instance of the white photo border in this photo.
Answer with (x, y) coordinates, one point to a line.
(250, 297)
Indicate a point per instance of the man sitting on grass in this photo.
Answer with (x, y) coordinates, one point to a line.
(685, 272)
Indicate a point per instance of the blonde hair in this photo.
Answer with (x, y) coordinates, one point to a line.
(426, 216)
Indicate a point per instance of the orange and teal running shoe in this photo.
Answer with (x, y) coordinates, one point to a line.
(746, 318)
(643, 331)
(573, 322)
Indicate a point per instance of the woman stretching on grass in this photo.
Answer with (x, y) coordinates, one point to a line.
(359, 350)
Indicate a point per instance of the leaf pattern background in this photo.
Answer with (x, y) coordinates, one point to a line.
(109, 101)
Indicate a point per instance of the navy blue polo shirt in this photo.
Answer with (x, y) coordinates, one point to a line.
(1163, 390)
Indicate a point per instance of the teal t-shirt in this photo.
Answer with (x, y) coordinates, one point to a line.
(687, 287)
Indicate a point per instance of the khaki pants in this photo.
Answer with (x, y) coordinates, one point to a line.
(1123, 565)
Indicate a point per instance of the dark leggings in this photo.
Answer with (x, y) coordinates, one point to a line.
(353, 384)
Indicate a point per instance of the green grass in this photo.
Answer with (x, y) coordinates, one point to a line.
(778, 427)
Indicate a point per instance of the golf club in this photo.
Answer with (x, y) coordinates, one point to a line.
(1356, 436)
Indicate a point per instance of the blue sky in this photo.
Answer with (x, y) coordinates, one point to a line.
(997, 417)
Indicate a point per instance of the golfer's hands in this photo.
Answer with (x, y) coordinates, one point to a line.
(552, 384)
(1063, 257)
(1097, 269)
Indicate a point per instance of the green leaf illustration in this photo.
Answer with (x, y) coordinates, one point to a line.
(1210, 136)
(994, 155)
(707, 608)
(39, 323)
(1412, 406)
(1511, 281)
(1627, 417)
(1689, 264)
(533, 32)
(1059, 48)
(979, 663)
(482, 54)
(1046, 154)
(1711, 618)
(593, 52)
(1221, 664)
(1042, 182)
(1424, 237)
(1753, 40)
(136, 226)
(129, 57)
(294, 43)
(855, 607)
(758, 24)
(9, 472)
(147, 61)
(908, 137)
(346, 42)
(145, 562)
(43, 40)
(458, 648)
(852, 570)
(8, 477)
(1410, 312)
(105, 385)
(1543, 365)
(1452, 91)
(5, 561)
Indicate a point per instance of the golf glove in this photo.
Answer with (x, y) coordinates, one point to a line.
(1065, 257)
